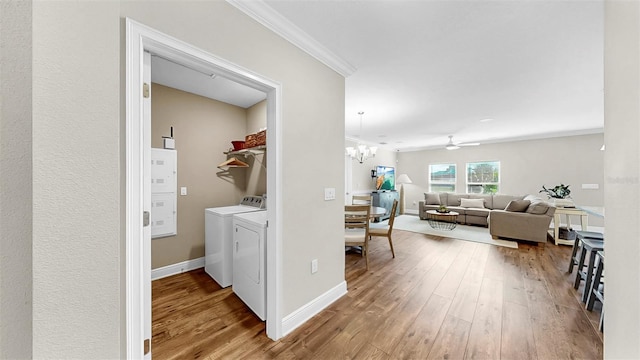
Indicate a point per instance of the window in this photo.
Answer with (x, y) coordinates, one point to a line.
(483, 177)
(442, 178)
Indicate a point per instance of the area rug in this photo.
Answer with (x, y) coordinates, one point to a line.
(462, 232)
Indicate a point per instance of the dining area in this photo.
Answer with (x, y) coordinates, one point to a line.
(360, 226)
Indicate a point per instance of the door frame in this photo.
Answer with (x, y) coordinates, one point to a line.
(140, 38)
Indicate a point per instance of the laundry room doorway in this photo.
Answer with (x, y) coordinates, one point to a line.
(139, 39)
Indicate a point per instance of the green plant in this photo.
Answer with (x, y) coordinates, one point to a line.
(558, 192)
(442, 209)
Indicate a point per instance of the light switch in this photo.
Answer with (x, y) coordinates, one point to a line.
(329, 194)
(183, 190)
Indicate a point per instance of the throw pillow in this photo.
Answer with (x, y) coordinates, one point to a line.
(472, 203)
(517, 205)
(538, 208)
(432, 198)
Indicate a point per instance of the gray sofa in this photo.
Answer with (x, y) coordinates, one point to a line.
(508, 216)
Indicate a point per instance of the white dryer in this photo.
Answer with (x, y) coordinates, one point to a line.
(218, 243)
(249, 260)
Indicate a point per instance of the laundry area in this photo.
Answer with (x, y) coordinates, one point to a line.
(208, 214)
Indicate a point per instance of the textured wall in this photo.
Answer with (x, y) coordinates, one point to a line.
(76, 180)
(622, 179)
(203, 130)
(15, 180)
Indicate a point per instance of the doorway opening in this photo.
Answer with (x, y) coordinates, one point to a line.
(139, 39)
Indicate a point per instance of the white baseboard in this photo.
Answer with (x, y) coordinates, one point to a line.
(178, 268)
(411, 211)
(309, 310)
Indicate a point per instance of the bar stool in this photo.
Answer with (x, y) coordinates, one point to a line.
(597, 287)
(591, 245)
(577, 244)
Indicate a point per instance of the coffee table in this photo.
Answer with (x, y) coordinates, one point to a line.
(442, 221)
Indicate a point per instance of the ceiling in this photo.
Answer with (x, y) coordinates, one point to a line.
(168, 73)
(482, 71)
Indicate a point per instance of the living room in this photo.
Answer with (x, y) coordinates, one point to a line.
(525, 166)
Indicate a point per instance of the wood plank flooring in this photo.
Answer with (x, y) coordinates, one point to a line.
(440, 298)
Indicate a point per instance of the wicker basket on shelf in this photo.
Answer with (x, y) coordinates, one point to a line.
(250, 141)
(261, 138)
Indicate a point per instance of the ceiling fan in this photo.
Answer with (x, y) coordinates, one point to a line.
(453, 146)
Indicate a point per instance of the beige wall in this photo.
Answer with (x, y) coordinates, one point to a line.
(257, 172)
(622, 184)
(79, 166)
(15, 180)
(203, 130)
(361, 181)
(524, 167)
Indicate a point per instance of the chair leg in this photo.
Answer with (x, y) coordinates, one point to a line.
(365, 250)
(391, 245)
(583, 253)
(574, 250)
(591, 298)
(589, 276)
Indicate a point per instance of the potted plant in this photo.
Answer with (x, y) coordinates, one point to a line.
(560, 195)
(442, 209)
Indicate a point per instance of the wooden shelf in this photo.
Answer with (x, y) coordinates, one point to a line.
(250, 151)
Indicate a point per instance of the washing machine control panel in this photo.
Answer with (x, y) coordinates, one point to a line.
(255, 201)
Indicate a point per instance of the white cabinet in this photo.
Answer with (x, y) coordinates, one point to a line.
(164, 186)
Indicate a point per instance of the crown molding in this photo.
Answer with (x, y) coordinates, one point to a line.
(274, 21)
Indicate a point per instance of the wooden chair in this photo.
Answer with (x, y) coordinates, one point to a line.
(356, 228)
(386, 230)
(361, 200)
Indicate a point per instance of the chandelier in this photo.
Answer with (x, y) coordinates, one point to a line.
(362, 152)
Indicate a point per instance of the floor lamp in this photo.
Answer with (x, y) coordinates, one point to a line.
(402, 179)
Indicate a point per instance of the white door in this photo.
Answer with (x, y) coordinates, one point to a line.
(146, 201)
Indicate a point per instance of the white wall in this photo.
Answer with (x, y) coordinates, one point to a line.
(15, 180)
(524, 167)
(78, 52)
(622, 184)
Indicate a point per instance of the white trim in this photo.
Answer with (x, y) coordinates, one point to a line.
(178, 268)
(138, 39)
(274, 21)
(312, 308)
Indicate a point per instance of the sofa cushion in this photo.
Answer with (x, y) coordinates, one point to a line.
(518, 205)
(454, 199)
(501, 201)
(432, 198)
(477, 212)
(488, 199)
(538, 208)
(472, 203)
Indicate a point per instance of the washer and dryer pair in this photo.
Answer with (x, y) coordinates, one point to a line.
(235, 250)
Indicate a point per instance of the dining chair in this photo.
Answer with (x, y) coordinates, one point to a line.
(361, 200)
(356, 228)
(385, 230)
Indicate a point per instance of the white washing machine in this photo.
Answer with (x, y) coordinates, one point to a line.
(250, 260)
(218, 223)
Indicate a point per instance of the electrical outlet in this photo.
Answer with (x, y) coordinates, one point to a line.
(415, 203)
(314, 266)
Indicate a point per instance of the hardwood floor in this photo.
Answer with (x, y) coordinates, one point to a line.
(439, 298)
